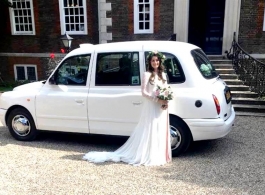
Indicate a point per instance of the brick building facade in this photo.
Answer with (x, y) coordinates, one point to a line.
(114, 20)
(251, 35)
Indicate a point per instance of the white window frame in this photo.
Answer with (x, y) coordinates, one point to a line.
(137, 30)
(25, 69)
(62, 19)
(264, 20)
(13, 23)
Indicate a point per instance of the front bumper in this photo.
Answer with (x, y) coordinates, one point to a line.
(2, 116)
(206, 129)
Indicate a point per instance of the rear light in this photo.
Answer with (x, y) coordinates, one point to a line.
(217, 105)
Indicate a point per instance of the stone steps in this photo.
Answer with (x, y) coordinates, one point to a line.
(245, 102)
(228, 76)
(249, 108)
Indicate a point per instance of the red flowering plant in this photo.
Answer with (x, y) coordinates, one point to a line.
(53, 62)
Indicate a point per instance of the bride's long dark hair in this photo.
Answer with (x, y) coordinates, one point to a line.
(151, 69)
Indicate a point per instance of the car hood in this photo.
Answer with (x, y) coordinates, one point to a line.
(35, 86)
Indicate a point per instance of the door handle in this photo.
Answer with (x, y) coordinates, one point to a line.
(137, 103)
(79, 101)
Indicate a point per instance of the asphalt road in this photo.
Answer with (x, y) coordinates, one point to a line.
(53, 164)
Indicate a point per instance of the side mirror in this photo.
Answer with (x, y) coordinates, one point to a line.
(52, 80)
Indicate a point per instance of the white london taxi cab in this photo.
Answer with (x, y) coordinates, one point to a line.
(96, 90)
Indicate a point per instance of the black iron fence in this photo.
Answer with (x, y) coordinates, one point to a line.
(249, 70)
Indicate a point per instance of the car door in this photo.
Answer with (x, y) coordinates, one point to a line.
(115, 100)
(62, 106)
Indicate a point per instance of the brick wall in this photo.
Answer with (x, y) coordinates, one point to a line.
(48, 30)
(122, 15)
(251, 34)
(46, 40)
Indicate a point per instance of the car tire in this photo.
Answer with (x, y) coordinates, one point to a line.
(21, 125)
(180, 136)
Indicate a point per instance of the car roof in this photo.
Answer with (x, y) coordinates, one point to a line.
(134, 46)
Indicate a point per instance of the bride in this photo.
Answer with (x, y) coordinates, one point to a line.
(149, 143)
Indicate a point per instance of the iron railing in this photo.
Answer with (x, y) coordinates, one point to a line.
(249, 70)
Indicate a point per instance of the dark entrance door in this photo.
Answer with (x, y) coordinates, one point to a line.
(206, 24)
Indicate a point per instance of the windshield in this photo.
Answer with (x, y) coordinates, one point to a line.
(203, 63)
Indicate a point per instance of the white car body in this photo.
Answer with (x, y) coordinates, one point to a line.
(115, 110)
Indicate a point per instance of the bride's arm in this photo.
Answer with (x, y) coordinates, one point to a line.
(144, 87)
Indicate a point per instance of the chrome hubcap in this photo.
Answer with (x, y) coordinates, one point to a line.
(175, 137)
(21, 125)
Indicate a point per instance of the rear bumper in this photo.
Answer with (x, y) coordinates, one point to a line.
(205, 129)
(2, 116)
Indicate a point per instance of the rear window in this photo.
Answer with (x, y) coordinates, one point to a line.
(203, 63)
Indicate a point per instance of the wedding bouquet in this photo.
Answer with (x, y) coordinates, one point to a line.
(164, 93)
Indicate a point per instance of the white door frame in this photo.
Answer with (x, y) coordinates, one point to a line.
(231, 21)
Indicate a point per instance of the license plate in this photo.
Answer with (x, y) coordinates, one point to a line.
(228, 96)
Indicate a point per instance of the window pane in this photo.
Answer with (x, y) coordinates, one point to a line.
(22, 16)
(66, 12)
(141, 17)
(67, 27)
(81, 11)
(173, 68)
(73, 71)
(141, 25)
(118, 69)
(31, 73)
(30, 28)
(147, 7)
(147, 16)
(141, 8)
(147, 26)
(204, 64)
(76, 11)
(67, 20)
(20, 73)
(65, 3)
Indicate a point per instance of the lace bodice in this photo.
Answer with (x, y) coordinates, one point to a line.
(148, 90)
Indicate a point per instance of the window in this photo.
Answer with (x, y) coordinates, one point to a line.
(173, 68)
(25, 72)
(118, 69)
(73, 71)
(73, 16)
(143, 16)
(22, 17)
(203, 63)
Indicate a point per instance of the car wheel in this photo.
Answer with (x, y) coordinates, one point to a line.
(180, 136)
(21, 125)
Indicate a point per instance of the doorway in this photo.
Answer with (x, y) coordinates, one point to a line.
(206, 24)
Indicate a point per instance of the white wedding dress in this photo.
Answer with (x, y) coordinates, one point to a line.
(149, 143)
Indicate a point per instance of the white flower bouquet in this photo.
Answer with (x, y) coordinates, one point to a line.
(164, 93)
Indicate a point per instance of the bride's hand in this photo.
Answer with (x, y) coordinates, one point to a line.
(164, 107)
(163, 102)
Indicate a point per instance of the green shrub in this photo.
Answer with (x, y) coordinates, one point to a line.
(12, 84)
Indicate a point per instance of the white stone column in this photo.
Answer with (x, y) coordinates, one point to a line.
(181, 19)
(231, 22)
(103, 21)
